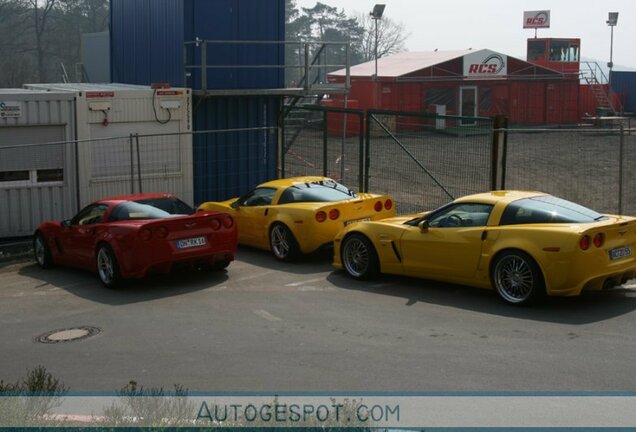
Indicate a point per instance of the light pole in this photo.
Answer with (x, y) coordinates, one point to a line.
(612, 19)
(376, 14)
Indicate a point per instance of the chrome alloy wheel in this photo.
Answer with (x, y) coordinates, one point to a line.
(40, 251)
(279, 240)
(514, 279)
(355, 257)
(105, 266)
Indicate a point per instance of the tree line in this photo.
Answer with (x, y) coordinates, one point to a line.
(41, 39)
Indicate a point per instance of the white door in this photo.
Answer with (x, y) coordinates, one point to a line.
(468, 104)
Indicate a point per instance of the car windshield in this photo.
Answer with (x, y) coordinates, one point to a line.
(153, 208)
(547, 209)
(319, 191)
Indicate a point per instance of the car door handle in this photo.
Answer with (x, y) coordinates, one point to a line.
(484, 235)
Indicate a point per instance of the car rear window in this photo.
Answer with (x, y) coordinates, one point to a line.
(322, 191)
(154, 208)
(547, 209)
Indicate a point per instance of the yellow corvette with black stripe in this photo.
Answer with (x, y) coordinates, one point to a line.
(524, 245)
(298, 215)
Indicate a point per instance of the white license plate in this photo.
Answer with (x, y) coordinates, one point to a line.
(621, 252)
(191, 242)
(356, 221)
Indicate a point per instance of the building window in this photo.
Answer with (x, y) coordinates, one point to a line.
(28, 178)
(15, 176)
(50, 175)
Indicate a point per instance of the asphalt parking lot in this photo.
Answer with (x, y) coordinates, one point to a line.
(267, 326)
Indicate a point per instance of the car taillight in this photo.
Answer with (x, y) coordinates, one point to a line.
(145, 234)
(599, 239)
(216, 224)
(378, 206)
(334, 214)
(321, 216)
(584, 243)
(228, 222)
(388, 204)
(162, 232)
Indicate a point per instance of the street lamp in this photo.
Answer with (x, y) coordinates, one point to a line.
(376, 14)
(612, 18)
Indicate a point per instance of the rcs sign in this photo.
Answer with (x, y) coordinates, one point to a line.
(490, 65)
(536, 19)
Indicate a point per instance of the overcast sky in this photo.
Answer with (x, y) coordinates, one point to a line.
(498, 24)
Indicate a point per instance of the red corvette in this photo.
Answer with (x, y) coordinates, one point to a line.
(129, 236)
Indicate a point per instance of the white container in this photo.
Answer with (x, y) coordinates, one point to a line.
(37, 182)
(106, 116)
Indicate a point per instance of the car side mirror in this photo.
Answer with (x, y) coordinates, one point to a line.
(423, 226)
(235, 205)
(66, 223)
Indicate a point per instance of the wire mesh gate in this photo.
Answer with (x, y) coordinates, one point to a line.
(422, 160)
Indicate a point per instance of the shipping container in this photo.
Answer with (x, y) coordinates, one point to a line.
(148, 42)
(236, 146)
(110, 161)
(37, 182)
(624, 87)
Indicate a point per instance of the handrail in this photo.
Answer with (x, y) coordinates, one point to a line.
(310, 54)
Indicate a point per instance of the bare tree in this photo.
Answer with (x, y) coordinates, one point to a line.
(41, 12)
(391, 37)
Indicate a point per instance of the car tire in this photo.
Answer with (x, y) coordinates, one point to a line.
(282, 243)
(517, 278)
(359, 257)
(107, 267)
(41, 251)
(220, 265)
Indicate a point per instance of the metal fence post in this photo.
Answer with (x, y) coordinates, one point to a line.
(361, 153)
(367, 156)
(498, 153)
(132, 165)
(325, 142)
(621, 150)
(138, 163)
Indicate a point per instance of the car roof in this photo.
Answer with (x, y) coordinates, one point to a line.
(134, 197)
(290, 181)
(505, 196)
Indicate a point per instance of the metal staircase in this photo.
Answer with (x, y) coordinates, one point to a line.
(594, 77)
(314, 87)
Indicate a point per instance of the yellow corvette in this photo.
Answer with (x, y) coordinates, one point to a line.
(523, 244)
(298, 215)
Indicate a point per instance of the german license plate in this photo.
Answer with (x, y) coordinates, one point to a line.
(191, 242)
(356, 221)
(621, 252)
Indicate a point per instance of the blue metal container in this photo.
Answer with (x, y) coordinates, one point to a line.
(148, 44)
(624, 84)
(148, 37)
(227, 162)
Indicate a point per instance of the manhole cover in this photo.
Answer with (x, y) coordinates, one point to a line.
(68, 335)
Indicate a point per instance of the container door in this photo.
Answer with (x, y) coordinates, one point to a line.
(468, 104)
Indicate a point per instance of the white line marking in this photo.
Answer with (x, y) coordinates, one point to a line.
(254, 276)
(295, 284)
(266, 315)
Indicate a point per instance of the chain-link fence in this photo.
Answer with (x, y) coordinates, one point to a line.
(52, 181)
(425, 160)
(588, 166)
(324, 142)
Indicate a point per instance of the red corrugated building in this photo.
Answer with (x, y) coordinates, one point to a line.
(470, 83)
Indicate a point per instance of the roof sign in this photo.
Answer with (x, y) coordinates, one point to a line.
(485, 64)
(536, 19)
